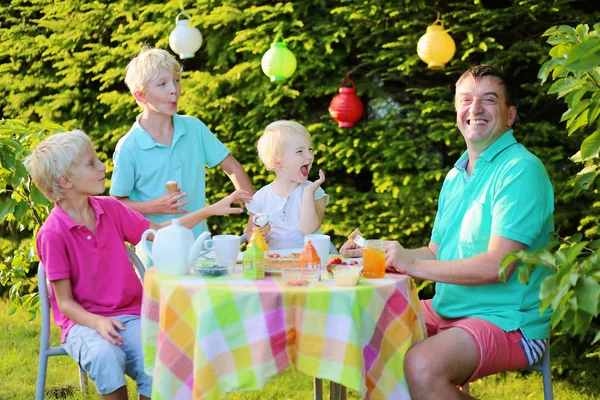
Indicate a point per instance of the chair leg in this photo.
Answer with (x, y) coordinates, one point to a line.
(318, 388)
(337, 391)
(82, 380)
(40, 385)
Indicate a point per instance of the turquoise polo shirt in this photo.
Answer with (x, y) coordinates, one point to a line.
(508, 195)
(142, 166)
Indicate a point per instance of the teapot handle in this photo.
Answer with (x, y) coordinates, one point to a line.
(145, 243)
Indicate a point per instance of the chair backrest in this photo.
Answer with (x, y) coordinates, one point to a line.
(137, 263)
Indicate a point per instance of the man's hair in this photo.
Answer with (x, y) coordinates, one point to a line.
(480, 71)
(54, 157)
(271, 144)
(146, 66)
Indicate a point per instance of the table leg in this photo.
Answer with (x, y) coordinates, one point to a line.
(337, 391)
(318, 388)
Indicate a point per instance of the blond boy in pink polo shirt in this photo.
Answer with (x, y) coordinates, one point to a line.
(95, 293)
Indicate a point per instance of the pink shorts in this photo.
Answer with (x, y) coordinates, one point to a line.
(497, 350)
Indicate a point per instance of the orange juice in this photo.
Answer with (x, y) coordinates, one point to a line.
(374, 259)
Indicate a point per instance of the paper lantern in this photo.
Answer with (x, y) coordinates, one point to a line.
(346, 108)
(436, 47)
(185, 39)
(278, 63)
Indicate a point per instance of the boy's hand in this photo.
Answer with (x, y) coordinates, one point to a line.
(169, 203)
(315, 185)
(107, 328)
(223, 206)
(351, 249)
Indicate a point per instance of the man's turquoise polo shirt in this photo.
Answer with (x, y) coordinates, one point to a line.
(508, 195)
(142, 166)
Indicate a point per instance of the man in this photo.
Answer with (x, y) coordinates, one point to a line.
(497, 199)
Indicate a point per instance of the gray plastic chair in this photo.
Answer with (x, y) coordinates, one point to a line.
(543, 366)
(45, 349)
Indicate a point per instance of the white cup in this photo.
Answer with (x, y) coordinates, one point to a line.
(225, 247)
(321, 243)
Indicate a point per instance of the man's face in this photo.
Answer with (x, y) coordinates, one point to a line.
(482, 114)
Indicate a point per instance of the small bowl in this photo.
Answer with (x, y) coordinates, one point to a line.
(302, 277)
(210, 270)
(347, 275)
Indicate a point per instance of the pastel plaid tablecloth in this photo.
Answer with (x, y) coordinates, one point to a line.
(204, 337)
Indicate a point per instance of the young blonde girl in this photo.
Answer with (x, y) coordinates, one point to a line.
(294, 205)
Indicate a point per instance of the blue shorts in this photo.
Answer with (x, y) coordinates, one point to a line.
(106, 363)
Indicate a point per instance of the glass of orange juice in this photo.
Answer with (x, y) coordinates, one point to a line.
(374, 259)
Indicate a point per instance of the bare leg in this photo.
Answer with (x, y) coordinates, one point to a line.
(119, 394)
(436, 365)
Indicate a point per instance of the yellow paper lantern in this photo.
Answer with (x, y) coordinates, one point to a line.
(436, 47)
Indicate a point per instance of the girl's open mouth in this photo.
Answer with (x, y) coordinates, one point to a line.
(304, 170)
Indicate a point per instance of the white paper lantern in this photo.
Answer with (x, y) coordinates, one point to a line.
(185, 39)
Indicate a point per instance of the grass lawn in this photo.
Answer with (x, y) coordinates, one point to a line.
(19, 349)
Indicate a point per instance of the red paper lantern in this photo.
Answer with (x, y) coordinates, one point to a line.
(346, 108)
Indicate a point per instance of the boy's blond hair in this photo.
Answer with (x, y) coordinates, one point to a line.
(54, 157)
(271, 144)
(146, 66)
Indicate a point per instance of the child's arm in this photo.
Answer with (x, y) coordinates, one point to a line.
(237, 174)
(165, 204)
(71, 309)
(311, 214)
(221, 207)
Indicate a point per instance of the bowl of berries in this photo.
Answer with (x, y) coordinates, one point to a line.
(210, 269)
(338, 262)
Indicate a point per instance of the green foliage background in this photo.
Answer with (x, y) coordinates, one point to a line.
(64, 62)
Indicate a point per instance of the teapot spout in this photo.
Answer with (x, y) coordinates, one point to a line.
(197, 247)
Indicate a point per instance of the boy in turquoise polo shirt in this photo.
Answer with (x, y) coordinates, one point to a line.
(162, 147)
(496, 200)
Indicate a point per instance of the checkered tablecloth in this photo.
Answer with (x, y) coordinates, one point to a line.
(204, 337)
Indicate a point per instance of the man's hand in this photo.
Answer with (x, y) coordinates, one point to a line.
(169, 204)
(351, 249)
(107, 328)
(223, 206)
(316, 184)
(398, 259)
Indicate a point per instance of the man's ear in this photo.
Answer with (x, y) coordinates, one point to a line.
(64, 182)
(139, 96)
(512, 115)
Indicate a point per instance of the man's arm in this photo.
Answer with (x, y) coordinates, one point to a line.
(481, 269)
(237, 174)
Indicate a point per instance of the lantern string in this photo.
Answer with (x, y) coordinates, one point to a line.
(438, 18)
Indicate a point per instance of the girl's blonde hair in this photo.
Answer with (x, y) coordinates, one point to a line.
(146, 66)
(271, 144)
(54, 157)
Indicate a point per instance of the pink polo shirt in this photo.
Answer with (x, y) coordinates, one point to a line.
(102, 278)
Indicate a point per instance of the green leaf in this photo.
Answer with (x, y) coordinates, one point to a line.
(6, 207)
(584, 57)
(587, 291)
(565, 85)
(582, 322)
(596, 338)
(38, 197)
(590, 147)
(20, 210)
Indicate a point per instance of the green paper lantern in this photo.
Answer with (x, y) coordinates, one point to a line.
(279, 63)
(253, 263)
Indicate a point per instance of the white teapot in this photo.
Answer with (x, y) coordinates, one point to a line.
(174, 249)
